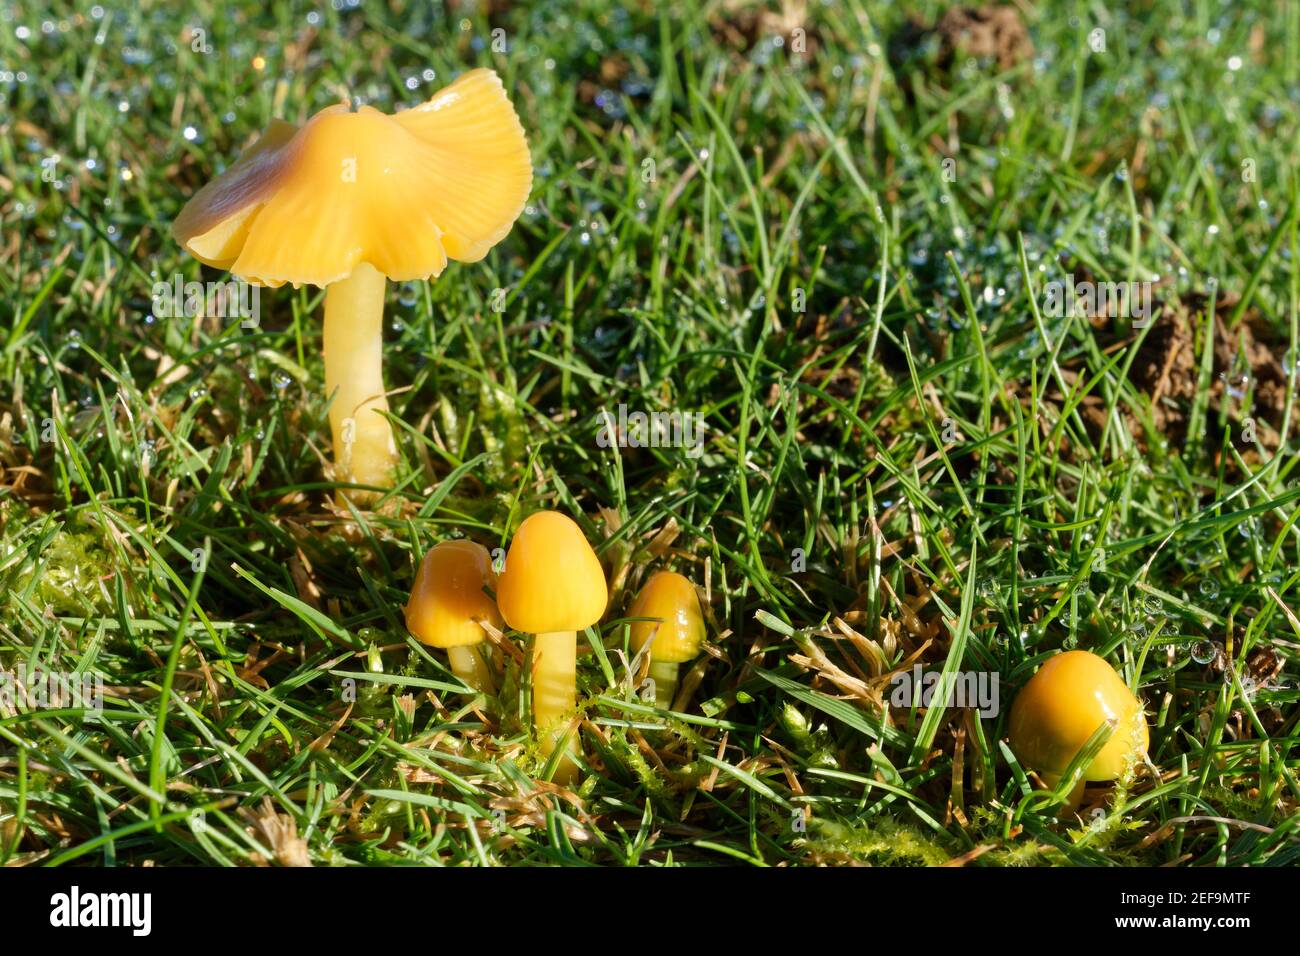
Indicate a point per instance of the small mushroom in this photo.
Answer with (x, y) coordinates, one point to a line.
(352, 199)
(448, 607)
(676, 634)
(1062, 706)
(552, 586)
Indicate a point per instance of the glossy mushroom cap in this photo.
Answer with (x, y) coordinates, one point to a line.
(403, 193)
(1063, 705)
(679, 632)
(447, 600)
(552, 581)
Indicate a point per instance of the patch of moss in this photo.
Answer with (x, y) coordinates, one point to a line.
(71, 575)
(649, 778)
(878, 843)
(501, 427)
(1234, 804)
(1022, 853)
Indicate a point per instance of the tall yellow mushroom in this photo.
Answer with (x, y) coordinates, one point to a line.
(352, 199)
(552, 587)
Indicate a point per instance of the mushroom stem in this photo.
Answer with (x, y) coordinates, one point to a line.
(364, 451)
(664, 674)
(555, 690)
(468, 664)
(1076, 792)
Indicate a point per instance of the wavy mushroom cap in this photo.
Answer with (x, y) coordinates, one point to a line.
(405, 193)
(552, 580)
(1063, 705)
(679, 631)
(447, 599)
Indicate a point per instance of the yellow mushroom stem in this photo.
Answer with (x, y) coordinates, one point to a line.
(467, 663)
(364, 451)
(1075, 797)
(555, 690)
(664, 674)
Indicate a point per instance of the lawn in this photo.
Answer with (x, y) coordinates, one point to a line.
(836, 235)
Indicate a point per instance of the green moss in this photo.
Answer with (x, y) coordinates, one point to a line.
(654, 782)
(879, 843)
(503, 432)
(1023, 853)
(1234, 804)
(72, 575)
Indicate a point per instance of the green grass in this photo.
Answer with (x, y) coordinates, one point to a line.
(764, 238)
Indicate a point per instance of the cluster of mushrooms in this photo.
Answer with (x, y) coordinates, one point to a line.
(350, 200)
(551, 587)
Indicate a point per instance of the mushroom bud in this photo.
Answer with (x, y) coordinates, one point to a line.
(676, 634)
(1063, 705)
(448, 607)
(350, 200)
(552, 587)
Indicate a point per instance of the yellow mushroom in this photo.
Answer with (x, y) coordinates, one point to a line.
(352, 199)
(1063, 705)
(448, 607)
(676, 633)
(552, 587)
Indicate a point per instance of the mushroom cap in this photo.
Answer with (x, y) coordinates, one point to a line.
(552, 580)
(1063, 704)
(405, 192)
(676, 637)
(447, 600)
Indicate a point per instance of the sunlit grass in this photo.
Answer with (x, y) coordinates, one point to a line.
(904, 458)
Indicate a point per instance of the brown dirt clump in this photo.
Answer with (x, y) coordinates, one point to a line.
(743, 24)
(992, 32)
(1247, 378)
(1166, 369)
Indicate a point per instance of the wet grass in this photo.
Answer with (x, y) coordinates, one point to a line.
(905, 458)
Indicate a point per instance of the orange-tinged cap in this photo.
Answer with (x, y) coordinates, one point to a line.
(679, 632)
(552, 581)
(404, 193)
(447, 600)
(1063, 705)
